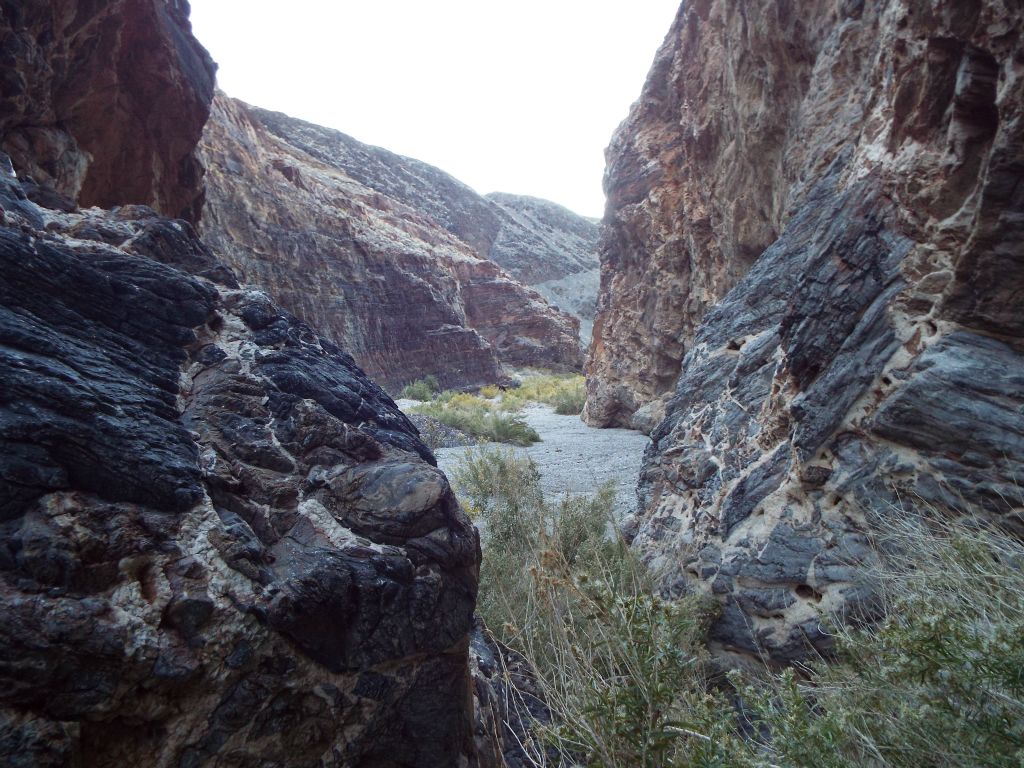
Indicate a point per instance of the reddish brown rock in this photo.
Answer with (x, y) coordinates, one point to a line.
(403, 294)
(813, 269)
(539, 243)
(105, 102)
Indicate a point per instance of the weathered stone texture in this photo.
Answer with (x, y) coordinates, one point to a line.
(220, 543)
(104, 102)
(291, 208)
(541, 244)
(813, 267)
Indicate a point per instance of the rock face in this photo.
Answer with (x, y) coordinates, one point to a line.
(221, 543)
(814, 248)
(104, 102)
(541, 244)
(324, 224)
(552, 250)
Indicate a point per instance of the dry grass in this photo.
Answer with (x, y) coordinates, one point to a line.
(935, 678)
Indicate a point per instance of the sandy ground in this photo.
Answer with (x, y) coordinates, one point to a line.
(574, 458)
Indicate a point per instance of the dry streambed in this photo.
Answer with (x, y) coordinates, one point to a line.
(574, 458)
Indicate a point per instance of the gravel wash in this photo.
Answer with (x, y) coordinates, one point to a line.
(574, 458)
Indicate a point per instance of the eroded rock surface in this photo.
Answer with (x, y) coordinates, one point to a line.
(814, 270)
(540, 243)
(552, 250)
(220, 543)
(289, 209)
(104, 102)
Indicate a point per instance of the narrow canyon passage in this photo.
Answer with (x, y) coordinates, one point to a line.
(574, 458)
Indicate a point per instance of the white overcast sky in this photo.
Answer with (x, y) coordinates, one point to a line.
(518, 96)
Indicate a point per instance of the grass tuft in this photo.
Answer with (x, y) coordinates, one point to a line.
(934, 678)
(479, 418)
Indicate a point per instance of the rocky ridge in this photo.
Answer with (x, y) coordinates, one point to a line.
(552, 250)
(813, 272)
(402, 294)
(219, 537)
(541, 244)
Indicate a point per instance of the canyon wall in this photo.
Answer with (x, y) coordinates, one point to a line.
(813, 270)
(220, 542)
(103, 103)
(552, 250)
(541, 244)
(327, 226)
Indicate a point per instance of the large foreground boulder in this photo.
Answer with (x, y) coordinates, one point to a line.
(220, 543)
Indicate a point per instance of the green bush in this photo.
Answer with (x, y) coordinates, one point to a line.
(616, 663)
(570, 402)
(479, 418)
(421, 389)
(935, 678)
(938, 681)
(563, 391)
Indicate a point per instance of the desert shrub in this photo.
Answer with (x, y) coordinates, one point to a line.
(490, 391)
(933, 677)
(421, 389)
(559, 390)
(479, 418)
(570, 401)
(937, 681)
(616, 663)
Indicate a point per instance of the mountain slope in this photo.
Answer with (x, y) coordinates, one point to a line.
(402, 294)
(538, 242)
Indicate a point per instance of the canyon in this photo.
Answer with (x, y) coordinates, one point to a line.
(389, 256)
(811, 295)
(222, 543)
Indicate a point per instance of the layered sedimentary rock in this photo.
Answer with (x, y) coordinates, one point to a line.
(345, 252)
(814, 245)
(104, 102)
(540, 243)
(552, 250)
(221, 543)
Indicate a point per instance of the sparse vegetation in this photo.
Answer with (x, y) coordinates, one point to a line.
(479, 418)
(563, 391)
(935, 679)
(494, 414)
(938, 681)
(617, 665)
(421, 389)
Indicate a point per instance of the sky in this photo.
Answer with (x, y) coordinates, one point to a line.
(517, 97)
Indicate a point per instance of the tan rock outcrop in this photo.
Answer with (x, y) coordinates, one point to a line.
(813, 262)
(403, 294)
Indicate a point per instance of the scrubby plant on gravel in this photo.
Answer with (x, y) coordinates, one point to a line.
(421, 389)
(622, 670)
(565, 392)
(935, 678)
(479, 418)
